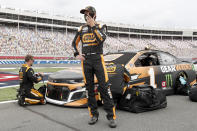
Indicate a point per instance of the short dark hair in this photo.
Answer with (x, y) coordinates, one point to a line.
(28, 58)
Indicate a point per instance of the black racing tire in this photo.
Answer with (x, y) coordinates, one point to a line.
(178, 84)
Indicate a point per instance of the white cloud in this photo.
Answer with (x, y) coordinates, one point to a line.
(160, 13)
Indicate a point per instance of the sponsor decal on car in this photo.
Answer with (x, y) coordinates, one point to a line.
(151, 72)
(111, 67)
(184, 67)
(173, 68)
(166, 69)
(163, 84)
(193, 67)
(168, 78)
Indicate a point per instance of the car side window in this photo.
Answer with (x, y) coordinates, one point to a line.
(166, 59)
(147, 59)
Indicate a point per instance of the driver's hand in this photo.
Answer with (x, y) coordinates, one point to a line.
(80, 57)
(90, 21)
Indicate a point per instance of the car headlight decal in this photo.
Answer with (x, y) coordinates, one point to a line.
(77, 94)
(135, 76)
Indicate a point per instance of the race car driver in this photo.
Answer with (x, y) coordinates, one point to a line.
(92, 38)
(148, 61)
(27, 79)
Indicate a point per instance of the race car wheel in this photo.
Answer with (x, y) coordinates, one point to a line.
(180, 88)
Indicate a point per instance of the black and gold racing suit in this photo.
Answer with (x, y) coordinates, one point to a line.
(92, 39)
(27, 80)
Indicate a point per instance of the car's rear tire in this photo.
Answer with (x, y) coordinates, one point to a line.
(178, 87)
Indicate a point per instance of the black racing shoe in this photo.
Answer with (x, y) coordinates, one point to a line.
(21, 101)
(112, 123)
(93, 120)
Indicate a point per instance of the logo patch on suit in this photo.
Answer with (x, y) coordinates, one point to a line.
(88, 38)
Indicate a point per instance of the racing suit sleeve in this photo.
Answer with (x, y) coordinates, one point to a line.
(75, 42)
(100, 36)
(32, 77)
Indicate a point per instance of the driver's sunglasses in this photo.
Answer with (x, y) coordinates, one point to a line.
(90, 14)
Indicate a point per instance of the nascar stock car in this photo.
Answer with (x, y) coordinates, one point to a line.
(195, 66)
(125, 69)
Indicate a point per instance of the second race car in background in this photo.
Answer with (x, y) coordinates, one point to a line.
(125, 69)
(195, 66)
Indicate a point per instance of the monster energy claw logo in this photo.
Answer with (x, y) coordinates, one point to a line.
(168, 80)
(193, 68)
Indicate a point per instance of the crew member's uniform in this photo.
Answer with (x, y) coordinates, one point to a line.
(92, 39)
(27, 80)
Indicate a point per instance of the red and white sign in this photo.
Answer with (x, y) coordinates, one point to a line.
(163, 84)
(8, 77)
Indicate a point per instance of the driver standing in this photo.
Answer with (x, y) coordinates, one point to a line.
(92, 38)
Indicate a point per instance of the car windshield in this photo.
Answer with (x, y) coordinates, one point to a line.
(119, 58)
(112, 57)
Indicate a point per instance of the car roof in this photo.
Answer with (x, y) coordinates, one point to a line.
(122, 59)
(129, 54)
(135, 52)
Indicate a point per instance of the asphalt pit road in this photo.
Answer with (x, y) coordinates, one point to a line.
(51, 119)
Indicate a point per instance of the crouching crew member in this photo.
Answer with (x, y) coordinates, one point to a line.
(92, 38)
(27, 93)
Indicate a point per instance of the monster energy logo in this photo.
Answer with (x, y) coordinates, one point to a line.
(168, 80)
(193, 68)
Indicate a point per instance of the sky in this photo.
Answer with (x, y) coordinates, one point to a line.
(154, 13)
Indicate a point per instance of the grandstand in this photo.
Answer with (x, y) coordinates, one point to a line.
(31, 32)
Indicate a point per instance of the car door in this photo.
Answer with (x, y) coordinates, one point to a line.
(171, 68)
(167, 69)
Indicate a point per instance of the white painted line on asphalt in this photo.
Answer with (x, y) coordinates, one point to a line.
(4, 102)
(48, 67)
(8, 86)
(15, 86)
(58, 67)
(6, 68)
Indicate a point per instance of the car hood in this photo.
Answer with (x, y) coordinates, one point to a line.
(63, 75)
